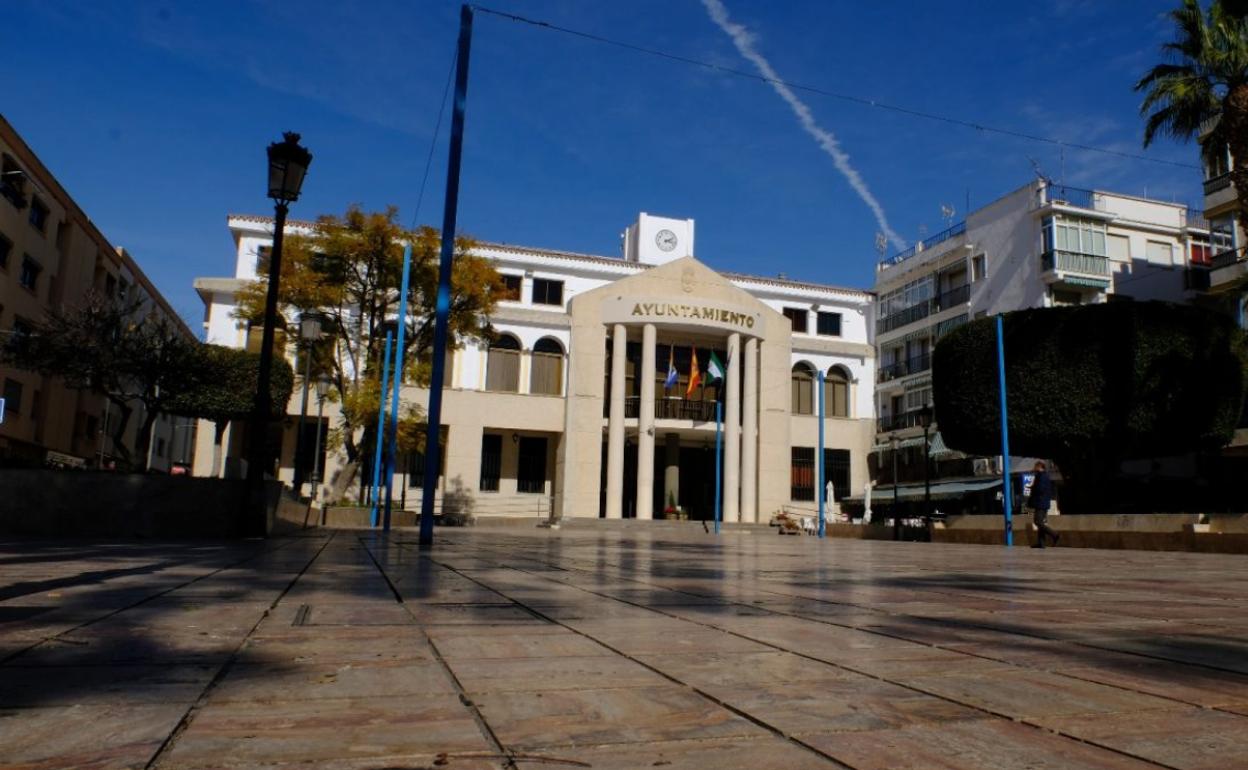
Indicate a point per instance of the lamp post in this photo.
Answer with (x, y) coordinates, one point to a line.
(926, 417)
(893, 444)
(322, 390)
(309, 333)
(288, 163)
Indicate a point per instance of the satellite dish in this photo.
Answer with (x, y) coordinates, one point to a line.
(947, 211)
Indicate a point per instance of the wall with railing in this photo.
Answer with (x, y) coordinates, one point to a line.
(923, 245)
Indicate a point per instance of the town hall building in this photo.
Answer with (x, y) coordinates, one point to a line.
(573, 410)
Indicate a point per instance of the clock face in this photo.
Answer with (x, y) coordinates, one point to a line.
(665, 240)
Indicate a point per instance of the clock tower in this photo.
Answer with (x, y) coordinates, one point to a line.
(655, 240)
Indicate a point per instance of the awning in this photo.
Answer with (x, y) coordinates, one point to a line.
(941, 490)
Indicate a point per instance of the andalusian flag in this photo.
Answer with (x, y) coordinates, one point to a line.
(672, 376)
(695, 375)
(714, 369)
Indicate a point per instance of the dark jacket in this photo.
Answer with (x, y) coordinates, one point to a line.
(1041, 492)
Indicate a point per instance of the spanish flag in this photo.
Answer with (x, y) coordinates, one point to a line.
(695, 375)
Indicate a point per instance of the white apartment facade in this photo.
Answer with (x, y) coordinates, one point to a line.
(1042, 245)
(566, 411)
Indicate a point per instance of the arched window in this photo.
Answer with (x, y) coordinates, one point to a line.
(546, 372)
(803, 389)
(836, 392)
(502, 366)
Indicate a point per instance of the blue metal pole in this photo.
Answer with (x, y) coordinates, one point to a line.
(821, 484)
(1006, 492)
(396, 385)
(381, 430)
(450, 210)
(719, 451)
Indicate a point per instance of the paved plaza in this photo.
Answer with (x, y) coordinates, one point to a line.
(618, 649)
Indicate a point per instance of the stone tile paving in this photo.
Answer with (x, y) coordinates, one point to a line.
(618, 649)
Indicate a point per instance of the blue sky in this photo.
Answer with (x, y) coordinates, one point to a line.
(155, 116)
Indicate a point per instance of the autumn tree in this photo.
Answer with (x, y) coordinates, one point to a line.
(348, 269)
(128, 352)
(221, 388)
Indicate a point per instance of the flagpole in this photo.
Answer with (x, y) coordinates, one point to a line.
(381, 429)
(719, 448)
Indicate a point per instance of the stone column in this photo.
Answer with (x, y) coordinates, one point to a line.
(732, 431)
(671, 468)
(645, 427)
(615, 424)
(749, 435)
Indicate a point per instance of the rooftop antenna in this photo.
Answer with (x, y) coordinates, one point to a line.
(881, 244)
(946, 212)
(922, 231)
(1035, 166)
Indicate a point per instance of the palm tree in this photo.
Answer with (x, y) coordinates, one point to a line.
(1206, 79)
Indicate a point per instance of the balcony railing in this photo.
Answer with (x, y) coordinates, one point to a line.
(923, 245)
(1074, 262)
(673, 409)
(905, 368)
(901, 421)
(956, 296)
(1220, 182)
(1070, 196)
(1227, 258)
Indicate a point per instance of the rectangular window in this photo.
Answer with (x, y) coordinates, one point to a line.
(6, 246)
(491, 461)
(531, 469)
(12, 182)
(415, 461)
(1159, 253)
(39, 213)
(263, 256)
(511, 287)
(802, 474)
(12, 396)
(547, 291)
(979, 267)
(828, 324)
(1202, 253)
(796, 316)
(30, 273)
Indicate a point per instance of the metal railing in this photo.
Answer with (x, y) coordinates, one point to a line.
(923, 245)
(912, 365)
(673, 409)
(951, 298)
(1070, 196)
(1227, 258)
(893, 422)
(1219, 182)
(1074, 262)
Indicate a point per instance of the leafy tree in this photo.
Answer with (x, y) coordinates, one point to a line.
(1207, 77)
(349, 270)
(221, 388)
(1092, 385)
(125, 351)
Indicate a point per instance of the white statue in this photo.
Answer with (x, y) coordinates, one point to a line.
(866, 494)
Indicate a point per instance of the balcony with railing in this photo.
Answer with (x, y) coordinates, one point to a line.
(1226, 258)
(892, 422)
(1064, 195)
(1074, 268)
(1219, 182)
(923, 245)
(673, 409)
(958, 295)
(905, 368)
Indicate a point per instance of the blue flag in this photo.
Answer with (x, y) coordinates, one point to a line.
(671, 368)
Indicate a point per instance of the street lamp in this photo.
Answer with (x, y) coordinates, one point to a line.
(309, 333)
(288, 163)
(322, 389)
(925, 416)
(894, 445)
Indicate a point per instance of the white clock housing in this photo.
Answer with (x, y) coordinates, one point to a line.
(655, 240)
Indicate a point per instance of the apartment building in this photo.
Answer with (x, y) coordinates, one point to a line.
(51, 255)
(1043, 245)
(571, 408)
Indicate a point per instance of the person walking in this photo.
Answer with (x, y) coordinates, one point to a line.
(1039, 501)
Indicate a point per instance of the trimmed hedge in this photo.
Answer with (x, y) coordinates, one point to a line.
(1093, 383)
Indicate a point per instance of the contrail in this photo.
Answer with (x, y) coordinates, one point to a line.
(744, 41)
